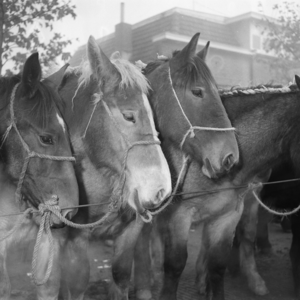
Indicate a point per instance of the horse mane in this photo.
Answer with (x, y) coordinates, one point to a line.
(131, 76)
(45, 95)
(259, 89)
(188, 74)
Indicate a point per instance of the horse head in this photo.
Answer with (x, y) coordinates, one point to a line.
(35, 150)
(113, 132)
(189, 111)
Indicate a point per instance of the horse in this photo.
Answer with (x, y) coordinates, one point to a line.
(183, 90)
(270, 116)
(283, 196)
(199, 104)
(120, 166)
(216, 163)
(218, 204)
(37, 171)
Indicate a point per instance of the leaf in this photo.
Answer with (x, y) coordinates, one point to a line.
(20, 39)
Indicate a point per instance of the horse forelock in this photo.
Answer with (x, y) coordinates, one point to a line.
(131, 76)
(42, 102)
(188, 74)
(193, 71)
(151, 66)
(259, 89)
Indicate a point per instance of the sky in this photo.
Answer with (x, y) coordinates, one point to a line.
(98, 17)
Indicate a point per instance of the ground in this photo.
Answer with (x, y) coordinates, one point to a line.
(274, 268)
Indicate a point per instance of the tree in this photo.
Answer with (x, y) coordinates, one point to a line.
(283, 37)
(22, 23)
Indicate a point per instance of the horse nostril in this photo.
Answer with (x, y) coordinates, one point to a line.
(68, 214)
(209, 168)
(160, 195)
(228, 162)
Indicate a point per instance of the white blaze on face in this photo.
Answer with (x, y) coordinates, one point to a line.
(150, 114)
(163, 167)
(61, 122)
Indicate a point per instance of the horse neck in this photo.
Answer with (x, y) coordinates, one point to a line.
(263, 124)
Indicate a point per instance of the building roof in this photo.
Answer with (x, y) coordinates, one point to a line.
(182, 22)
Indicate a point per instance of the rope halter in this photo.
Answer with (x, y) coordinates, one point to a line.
(191, 131)
(117, 194)
(30, 153)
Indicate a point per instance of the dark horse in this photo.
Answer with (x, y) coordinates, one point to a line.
(36, 168)
(283, 197)
(183, 91)
(268, 116)
(185, 77)
(214, 155)
(262, 146)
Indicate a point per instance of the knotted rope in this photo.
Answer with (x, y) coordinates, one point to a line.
(191, 130)
(261, 89)
(45, 210)
(45, 225)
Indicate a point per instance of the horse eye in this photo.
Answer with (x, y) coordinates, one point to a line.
(197, 93)
(128, 116)
(46, 139)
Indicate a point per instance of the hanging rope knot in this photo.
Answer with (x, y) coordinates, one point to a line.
(31, 154)
(49, 205)
(192, 133)
(113, 206)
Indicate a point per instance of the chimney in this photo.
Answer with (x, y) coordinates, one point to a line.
(122, 12)
(123, 36)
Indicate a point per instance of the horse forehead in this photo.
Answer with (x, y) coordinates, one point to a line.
(133, 92)
(130, 96)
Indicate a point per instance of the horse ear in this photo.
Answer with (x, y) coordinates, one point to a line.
(99, 62)
(203, 53)
(297, 80)
(186, 53)
(32, 73)
(57, 77)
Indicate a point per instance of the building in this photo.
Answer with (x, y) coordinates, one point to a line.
(236, 55)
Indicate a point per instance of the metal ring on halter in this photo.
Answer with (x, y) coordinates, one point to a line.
(30, 153)
(192, 128)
